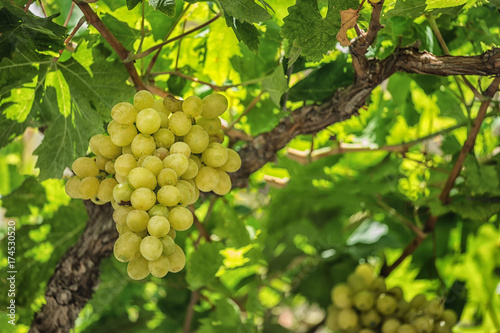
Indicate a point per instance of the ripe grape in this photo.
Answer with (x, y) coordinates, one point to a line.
(158, 210)
(88, 187)
(406, 328)
(179, 123)
(124, 163)
(105, 191)
(124, 113)
(347, 319)
(342, 296)
(159, 267)
(122, 193)
(101, 161)
(85, 167)
(211, 126)
(121, 135)
(158, 106)
(148, 121)
(109, 167)
(215, 155)
(127, 247)
(207, 179)
(95, 142)
(153, 164)
(214, 105)
(137, 220)
(450, 317)
(371, 318)
(72, 187)
(158, 226)
(143, 199)
(224, 185)
(178, 162)
(177, 259)
(142, 177)
(172, 104)
(108, 149)
(364, 300)
(180, 218)
(233, 164)
(192, 106)
(191, 171)
(169, 195)
(167, 176)
(151, 248)
(138, 268)
(168, 244)
(197, 139)
(391, 325)
(142, 145)
(386, 304)
(164, 138)
(143, 99)
(180, 148)
(161, 153)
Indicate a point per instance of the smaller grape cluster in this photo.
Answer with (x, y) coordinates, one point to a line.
(365, 305)
(158, 156)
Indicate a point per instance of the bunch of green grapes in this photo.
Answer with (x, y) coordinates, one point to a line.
(157, 157)
(365, 305)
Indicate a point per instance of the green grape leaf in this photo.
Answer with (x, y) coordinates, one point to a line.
(480, 179)
(307, 29)
(245, 10)
(30, 193)
(323, 81)
(38, 34)
(495, 2)
(276, 85)
(132, 3)
(245, 32)
(408, 8)
(438, 4)
(122, 31)
(203, 264)
(165, 6)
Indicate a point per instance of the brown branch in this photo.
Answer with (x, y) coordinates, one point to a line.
(77, 273)
(195, 296)
(469, 143)
(69, 15)
(95, 21)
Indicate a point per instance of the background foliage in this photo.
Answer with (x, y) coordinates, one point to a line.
(304, 221)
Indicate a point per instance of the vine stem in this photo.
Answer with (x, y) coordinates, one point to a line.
(212, 86)
(95, 21)
(140, 55)
(69, 14)
(195, 296)
(248, 108)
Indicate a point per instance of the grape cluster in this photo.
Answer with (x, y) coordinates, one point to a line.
(158, 156)
(365, 305)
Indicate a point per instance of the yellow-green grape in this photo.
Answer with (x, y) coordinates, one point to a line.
(378, 285)
(85, 167)
(214, 105)
(101, 161)
(122, 193)
(159, 267)
(186, 195)
(341, 296)
(95, 142)
(142, 177)
(371, 318)
(138, 268)
(122, 229)
(179, 123)
(143, 199)
(450, 317)
(418, 301)
(163, 119)
(191, 171)
(224, 185)
(434, 308)
(120, 214)
(122, 135)
(178, 162)
(148, 121)
(197, 160)
(158, 226)
(217, 137)
(386, 304)
(180, 148)
(141, 159)
(192, 106)
(109, 167)
(127, 149)
(143, 144)
(197, 139)
(108, 149)
(158, 106)
(124, 164)
(151, 248)
(124, 113)
(347, 319)
(158, 210)
(172, 233)
(441, 327)
(365, 270)
(211, 126)
(331, 318)
(153, 164)
(166, 177)
(215, 155)
(366, 330)
(423, 324)
(190, 186)
(406, 328)
(180, 218)
(207, 179)
(168, 244)
(364, 300)
(177, 259)
(88, 187)
(233, 162)
(169, 195)
(161, 153)
(143, 99)
(105, 191)
(164, 138)
(172, 104)
(126, 247)
(137, 220)
(397, 292)
(403, 308)
(391, 325)
(356, 282)
(72, 187)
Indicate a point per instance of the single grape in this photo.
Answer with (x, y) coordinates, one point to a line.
(423, 324)
(341, 296)
(211, 126)
(178, 162)
(138, 268)
(192, 106)
(169, 195)
(105, 191)
(406, 328)
(95, 142)
(158, 226)
(450, 317)
(167, 176)
(88, 187)
(72, 187)
(151, 248)
(386, 304)
(217, 137)
(153, 164)
(124, 164)
(168, 244)
(148, 121)
(378, 285)
(233, 164)
(137, 220)
(126, 247)
(161, 153)
(371, 318)
(224, 185)
(85, 167)
(214, 105)
(143, 144)
(191, 171)
(159, 267)
(207, 179)
(108, 149)
(441, 327)
(164, 119)
(122, 135)
(120, 214)
(143, 199)
(109, 167)
(180, 148)
(365, 270)
(364, 300)
(180, 218)
(122, 229)
(142, 177)
(124, 113)
(158, 210)
(122, 193)
(197, 139)
(177, 259)
(164, 138)
(347, 319)
(143, 99)
(215, 155)
(179, 123)
(418, 301)
(356, 282)
(397, 292)
(391, 325)
(434, 308)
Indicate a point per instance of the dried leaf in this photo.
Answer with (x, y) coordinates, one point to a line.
(348, 18)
